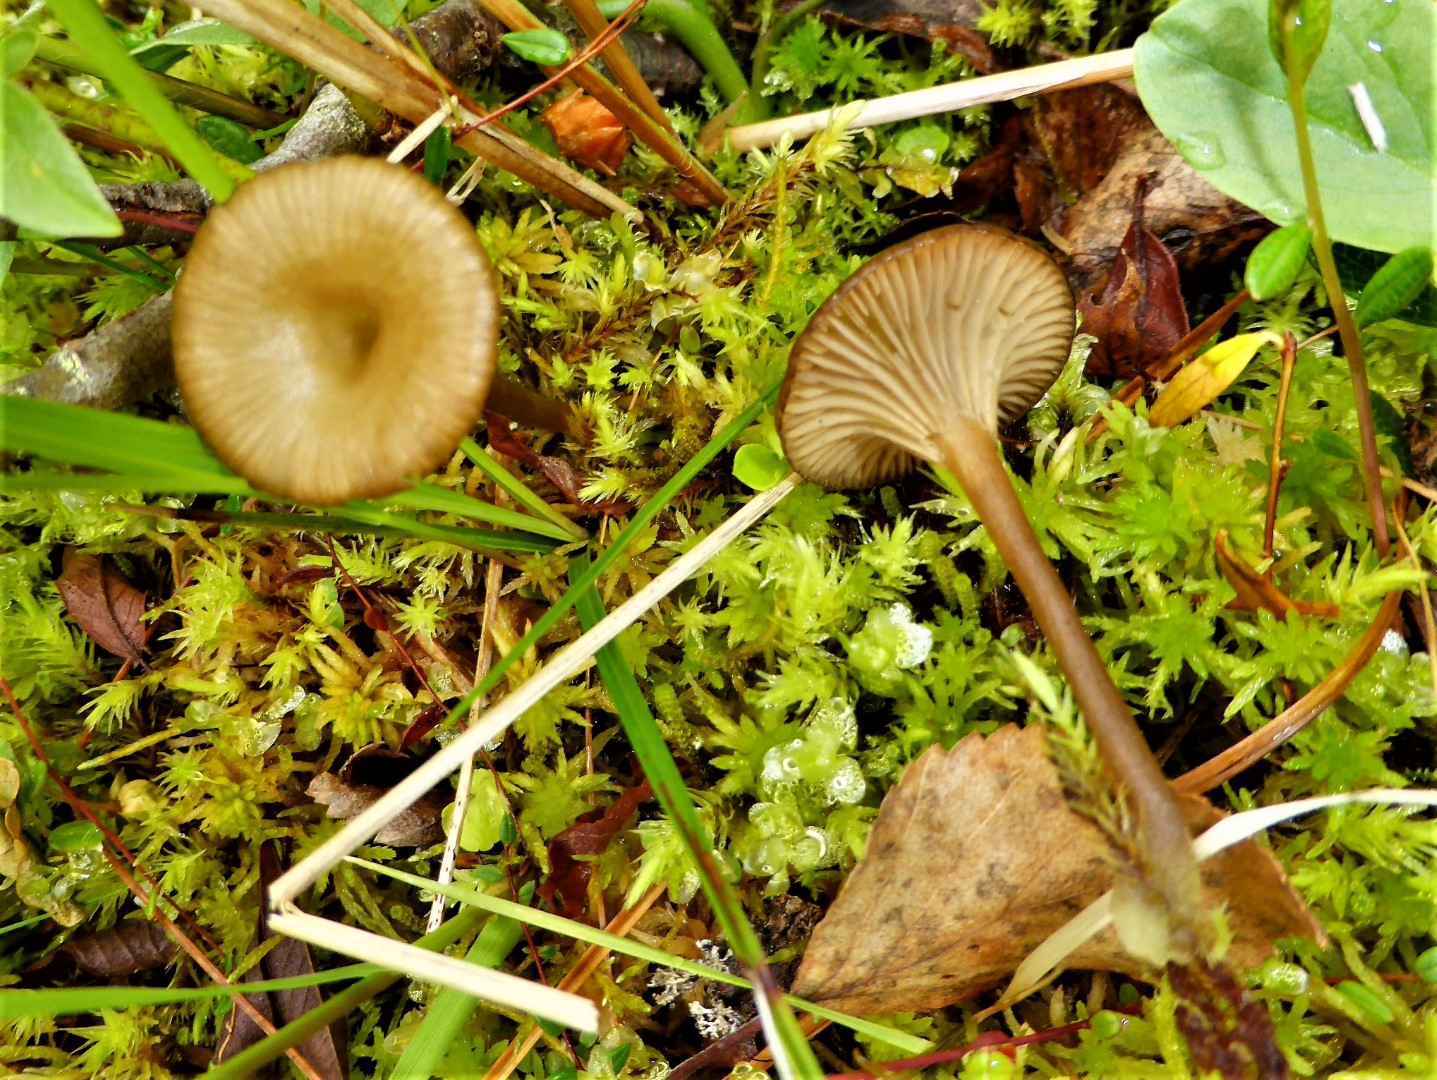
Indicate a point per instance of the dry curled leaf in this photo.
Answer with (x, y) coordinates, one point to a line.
(587, 132)
(363, 780)
(103, 603)
(975, 858)
(1140, 315)
(138, 945)
(1255, 590)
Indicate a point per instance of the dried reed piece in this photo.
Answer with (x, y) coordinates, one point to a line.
(334, 54)
(564, 664)
(656, 137)
(1004, 86)
(618, 61)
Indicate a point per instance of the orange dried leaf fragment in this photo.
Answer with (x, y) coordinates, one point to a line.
(587, 132)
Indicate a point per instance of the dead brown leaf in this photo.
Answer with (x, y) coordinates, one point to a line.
(364, 778)
(975, 859)
(138, 945)
(326, 1050)
(590, 835)
(1140, 315)
(587, 132)
(103, 603)
(953, 22)
(1256, 592)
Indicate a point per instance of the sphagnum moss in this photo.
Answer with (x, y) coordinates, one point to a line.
(768, 673)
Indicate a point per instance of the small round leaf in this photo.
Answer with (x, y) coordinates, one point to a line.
(229, 138)
(758, 466)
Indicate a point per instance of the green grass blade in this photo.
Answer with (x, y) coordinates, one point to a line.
(89, 999)
(95, 255)
(428, 496)
(663, 773)
(451, 1009)
(89, 31)
(244, 1064)
(591, 935)
(512, 486)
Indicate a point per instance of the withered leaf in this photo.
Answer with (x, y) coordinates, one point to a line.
(325, 1050)
(590, 835)
(587, 132)
(363, 780)
(103, 603)
(1227, 1030)
(1255, 591)
(1140, 315)
(953, 22)
(137, 945)
(975, 858)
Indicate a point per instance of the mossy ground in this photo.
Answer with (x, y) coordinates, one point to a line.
(793, 679)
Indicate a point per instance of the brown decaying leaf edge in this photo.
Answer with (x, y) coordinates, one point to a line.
(975, 858)
(1255, 590)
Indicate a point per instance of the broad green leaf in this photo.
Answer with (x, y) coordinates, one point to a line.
(1399, 282)
(539, 46)
(15, 51)
(43, 183)
(1198, 385)
(1274, 264)
(1356, 267)
(1212, 86)
(1297, 30)
(198, 32)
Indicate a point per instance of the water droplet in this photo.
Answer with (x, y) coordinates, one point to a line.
(846, 785)
(258, 737)
(915, 642)
(1201, 150)
(1375, 46)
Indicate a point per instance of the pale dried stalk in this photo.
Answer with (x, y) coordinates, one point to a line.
(511, 991)
(492, 579)
(1004, 86)
(594, 955)
(657, 138)
(618, 61)
(566, 663)
(337, 56)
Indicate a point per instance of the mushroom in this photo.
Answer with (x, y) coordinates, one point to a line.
(917, 357)
(336, 331)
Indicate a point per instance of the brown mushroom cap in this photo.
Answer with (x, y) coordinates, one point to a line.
(335, 330)
(965, 319)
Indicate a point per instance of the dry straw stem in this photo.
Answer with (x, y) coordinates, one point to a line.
(337, 56)
(566, 663)
(655, 136)
(1004, 86)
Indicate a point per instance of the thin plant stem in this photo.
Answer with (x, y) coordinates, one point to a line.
(1346, 325)
(1277, 467)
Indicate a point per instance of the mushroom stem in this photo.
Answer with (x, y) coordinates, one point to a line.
(1163, 838)
(511, 398)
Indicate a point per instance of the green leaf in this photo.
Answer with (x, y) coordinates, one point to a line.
(75, 836)
(758, 466)
(197, 32)
(1366, 1000)
(7, 256)
(1425, 966)
(547, 47)
(1296, 31)
(43, 183)
(1399, 282)
(1275, 263)
(16, 50)
(436, 154)
(1356, 266)
(1242, 140)
(229, 138)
